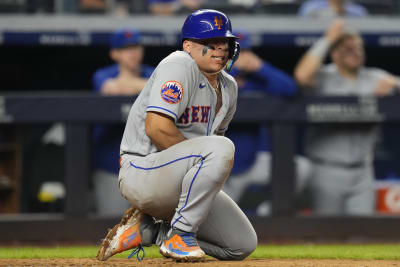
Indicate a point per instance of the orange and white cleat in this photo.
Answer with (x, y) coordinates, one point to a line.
(182, 247)
(123, 236)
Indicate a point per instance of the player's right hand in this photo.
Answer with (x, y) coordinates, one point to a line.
(335, 30)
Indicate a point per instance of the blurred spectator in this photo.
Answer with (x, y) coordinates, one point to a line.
(122, 8)
(40, 6)
(332, 8)
(169, 7)
(252, 156)
(93, 6)
(342, 155)
(126, 77)
(23, 6)
(283, 7)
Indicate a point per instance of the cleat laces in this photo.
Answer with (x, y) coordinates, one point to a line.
(137, 251)
(189, 239)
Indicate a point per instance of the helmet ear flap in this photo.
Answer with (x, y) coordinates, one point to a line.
(231, 47)
(234, 51)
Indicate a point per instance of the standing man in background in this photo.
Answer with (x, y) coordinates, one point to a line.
(342, 155)
(174, 157)
(126, 77)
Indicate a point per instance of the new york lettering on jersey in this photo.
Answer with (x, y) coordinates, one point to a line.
(195, 114)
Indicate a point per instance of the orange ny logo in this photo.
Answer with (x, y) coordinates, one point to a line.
(218, 22)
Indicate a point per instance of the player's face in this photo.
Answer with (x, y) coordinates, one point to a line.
(215, 57)
(350, 54)
(129, 57)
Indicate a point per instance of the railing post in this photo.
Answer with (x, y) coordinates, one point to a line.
(77, 169)
(283, 169)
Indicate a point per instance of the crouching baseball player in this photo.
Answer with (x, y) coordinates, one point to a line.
(174, 158)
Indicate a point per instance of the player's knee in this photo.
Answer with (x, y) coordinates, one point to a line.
(251, 245)
(228, 146)
(222, 147)
(222, 155)
(248, 247)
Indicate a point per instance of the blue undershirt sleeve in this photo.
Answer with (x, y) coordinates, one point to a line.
(276, 81)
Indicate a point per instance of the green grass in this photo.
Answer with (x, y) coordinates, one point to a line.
(369, 251)
(377, 252)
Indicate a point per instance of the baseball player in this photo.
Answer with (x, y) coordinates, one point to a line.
(342, 155)
(174, 157)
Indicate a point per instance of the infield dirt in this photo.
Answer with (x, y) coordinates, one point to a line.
(207, 263)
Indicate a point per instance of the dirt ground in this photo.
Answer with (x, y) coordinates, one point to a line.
(208, 263)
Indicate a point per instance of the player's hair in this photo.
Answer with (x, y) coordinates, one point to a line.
(344, 37)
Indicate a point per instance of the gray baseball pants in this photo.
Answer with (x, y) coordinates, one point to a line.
(343, 191)
(183, 184)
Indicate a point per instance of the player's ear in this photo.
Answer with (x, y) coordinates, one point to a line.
(114, 54)
(187, 45)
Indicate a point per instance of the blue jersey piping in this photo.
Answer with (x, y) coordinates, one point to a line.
(176, 116)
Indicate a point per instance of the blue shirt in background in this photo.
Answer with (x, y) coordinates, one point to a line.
(107, 138)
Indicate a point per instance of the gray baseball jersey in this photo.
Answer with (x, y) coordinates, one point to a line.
(179, 90)
(346, 144)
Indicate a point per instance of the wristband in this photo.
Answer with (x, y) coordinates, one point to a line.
(320, 48)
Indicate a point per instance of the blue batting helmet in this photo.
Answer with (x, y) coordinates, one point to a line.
(207, 23)
(210, 23)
